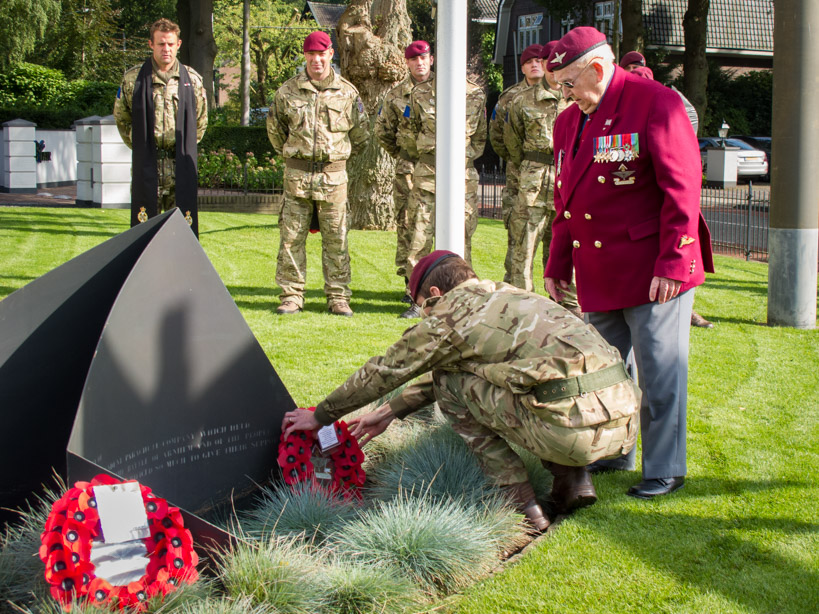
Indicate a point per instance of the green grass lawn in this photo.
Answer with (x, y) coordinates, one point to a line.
(740, 537)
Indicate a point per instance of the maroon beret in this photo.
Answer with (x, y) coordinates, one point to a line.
(574, 44)
(317, 41)
(424, 267)
(546, 50)
(416, 48)
(532, 51)
(633, 57)
(643, 71)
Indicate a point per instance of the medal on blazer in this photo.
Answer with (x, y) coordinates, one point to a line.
(559, 162)
(617, 148)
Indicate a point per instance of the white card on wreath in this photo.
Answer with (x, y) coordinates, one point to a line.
(327, 437)
(122, 512)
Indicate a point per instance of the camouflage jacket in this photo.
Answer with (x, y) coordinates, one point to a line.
(166, 103)
(507, 336)
(531, 118)
(392, 124)
(422, 120)
(498, 119)
(317, 125)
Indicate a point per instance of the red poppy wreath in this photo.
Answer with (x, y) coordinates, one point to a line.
(73, 528)
(346, 459)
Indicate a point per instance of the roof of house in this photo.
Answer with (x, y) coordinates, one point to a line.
(487, 11)
(734, 25)
(325, 14)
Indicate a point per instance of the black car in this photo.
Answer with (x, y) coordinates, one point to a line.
(763, 143)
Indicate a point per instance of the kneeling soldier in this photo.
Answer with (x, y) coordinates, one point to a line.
(506, 366)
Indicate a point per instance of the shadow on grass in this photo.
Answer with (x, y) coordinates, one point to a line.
(733, 285)
(47, 223)
(274, 226)
(726, 555)
(383, 302)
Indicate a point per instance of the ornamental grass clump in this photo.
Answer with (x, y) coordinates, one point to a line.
(441, 545)
(277, 572)
(363, 589)
(304, 510)
(434, 463)
(222, 606)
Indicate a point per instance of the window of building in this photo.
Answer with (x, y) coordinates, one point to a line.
(566, 24)
(529, 27)
(604, 18)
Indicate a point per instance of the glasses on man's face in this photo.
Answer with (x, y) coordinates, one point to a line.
(571, 84)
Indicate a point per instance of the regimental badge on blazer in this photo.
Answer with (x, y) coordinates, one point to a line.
(617, 148)
(623, 176)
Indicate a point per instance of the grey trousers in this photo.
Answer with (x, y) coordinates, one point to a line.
(658, 335)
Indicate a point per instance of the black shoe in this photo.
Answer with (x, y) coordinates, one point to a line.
(406, 299)
(412, 312)
(648, 489)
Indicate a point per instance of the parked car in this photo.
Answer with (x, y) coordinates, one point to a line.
(762, 143)
(750, 162)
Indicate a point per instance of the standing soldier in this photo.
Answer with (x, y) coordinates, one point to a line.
(162, 113)
(530, 118)
(391, 128)
(496, 129)
(315, 120)
(422, 148)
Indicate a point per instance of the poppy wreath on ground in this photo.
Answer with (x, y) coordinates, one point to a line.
(74, 524)
(346, 459)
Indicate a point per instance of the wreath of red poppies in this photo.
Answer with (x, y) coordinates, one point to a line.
(347, 457)
(74, 524)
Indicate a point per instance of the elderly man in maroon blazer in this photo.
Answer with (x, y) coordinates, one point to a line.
(628, 222)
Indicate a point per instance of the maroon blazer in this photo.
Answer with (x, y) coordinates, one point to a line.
(628, 200)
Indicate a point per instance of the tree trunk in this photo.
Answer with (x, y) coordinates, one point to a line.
(695, 65)
(634, 36)
(198, 47)
(371, 55)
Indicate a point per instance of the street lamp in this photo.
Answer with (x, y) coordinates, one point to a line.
(723, 132)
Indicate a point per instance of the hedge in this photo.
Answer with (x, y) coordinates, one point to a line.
(238, 139)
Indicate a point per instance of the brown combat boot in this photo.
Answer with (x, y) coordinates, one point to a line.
(523, 496)
(340, 307)
(572, 487)
(288, 308)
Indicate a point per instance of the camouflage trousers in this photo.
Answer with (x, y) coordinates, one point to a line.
(422, 218)
(402, 188)
(166, 185)
(489, 418)
(508, 197)
(294, 226)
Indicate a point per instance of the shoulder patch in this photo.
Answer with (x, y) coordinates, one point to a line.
(407, 111)
(360, 104)
(494, 112)
(119, 93)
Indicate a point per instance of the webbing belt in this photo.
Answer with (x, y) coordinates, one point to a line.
(575, 386)
(315, 167)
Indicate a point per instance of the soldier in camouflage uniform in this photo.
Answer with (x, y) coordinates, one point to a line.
(164, 43)
(391, 128)
(314, 122)
(497, 123)
(531, 116)
(422, 148)
(505, 366)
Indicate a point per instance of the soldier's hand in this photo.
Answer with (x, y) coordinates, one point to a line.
(663, 289)
(554, 286)
(366, 427)
(299, 420)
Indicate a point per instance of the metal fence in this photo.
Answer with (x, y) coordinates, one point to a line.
(737, 217)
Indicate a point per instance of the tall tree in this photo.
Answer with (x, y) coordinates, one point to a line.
(371, 46)
(634, 35)
(22, 25)
(695, 65)
(198, 46)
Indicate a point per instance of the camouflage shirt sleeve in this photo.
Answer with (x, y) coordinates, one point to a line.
(477, 120)
(427, 345)
(496, 130)
(514, 131)
(386, 126)
(277, 126)
(122, 109)
(360, 132)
